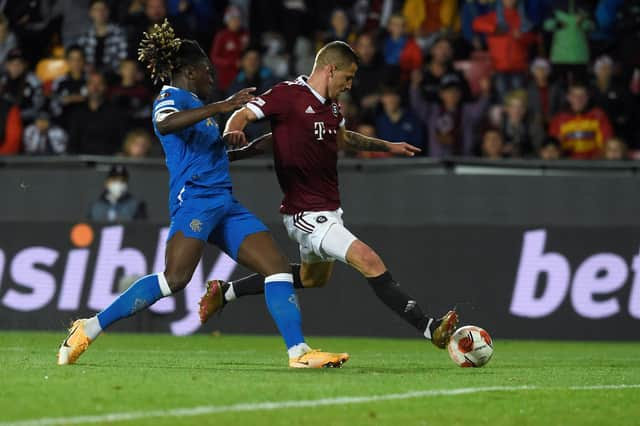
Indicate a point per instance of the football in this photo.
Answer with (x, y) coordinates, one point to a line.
(470, 346)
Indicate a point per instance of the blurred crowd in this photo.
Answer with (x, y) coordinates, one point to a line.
(487, 78)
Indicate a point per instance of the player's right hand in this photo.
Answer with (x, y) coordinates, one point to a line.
(239, 99)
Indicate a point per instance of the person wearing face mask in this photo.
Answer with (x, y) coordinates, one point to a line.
(116, 204)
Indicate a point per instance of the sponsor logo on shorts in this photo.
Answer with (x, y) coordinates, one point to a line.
(195, 225)
(321, 219)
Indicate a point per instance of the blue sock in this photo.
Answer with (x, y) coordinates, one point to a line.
(142, 293)
(283, 306)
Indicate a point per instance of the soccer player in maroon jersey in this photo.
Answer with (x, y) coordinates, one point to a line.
(307, 132)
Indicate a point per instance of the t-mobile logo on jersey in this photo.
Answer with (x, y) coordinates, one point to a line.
(319, 130)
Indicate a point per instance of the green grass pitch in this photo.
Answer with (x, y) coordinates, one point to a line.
(244, 380)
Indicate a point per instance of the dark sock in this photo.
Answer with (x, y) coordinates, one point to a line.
(254, 283)
(390, 293)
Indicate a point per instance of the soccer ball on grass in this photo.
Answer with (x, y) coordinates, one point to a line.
(470, 346)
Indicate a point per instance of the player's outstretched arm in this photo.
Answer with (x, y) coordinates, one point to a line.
(359, 142)
(179, 120)
(256, 147)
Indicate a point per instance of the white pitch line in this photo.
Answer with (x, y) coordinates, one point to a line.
(277, 405)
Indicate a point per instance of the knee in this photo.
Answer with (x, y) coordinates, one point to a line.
(177, 280)
(369, 262)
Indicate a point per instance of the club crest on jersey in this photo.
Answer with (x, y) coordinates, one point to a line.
(195, 225)
(334, 109)
(162, 96)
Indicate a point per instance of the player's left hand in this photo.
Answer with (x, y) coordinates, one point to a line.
(403, 149)
(235, 139)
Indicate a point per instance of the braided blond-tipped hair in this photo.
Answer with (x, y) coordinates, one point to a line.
(159, 51)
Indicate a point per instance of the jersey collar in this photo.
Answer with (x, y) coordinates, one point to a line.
(303, 79)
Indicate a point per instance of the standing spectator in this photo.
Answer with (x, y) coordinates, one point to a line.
(615, 149)
(116, 204)
(70, 90)
(440, 62)
(21, 86)
(8, 40)
(137, 144)
(104, 44)
(451, 123)
(569, 46)
(522, 136)
(401, 50)
(339, 28)
(10, 127)
(492, 147)
(613, 97)
(132, 96)
(470, 11)
(97, 127)
(75, 19)
(228, 46)
(581, 131)
(550, 149)
(426, 18)
(508, 36)
(44, 138)
(396, 124)
(543, 97)
(371, 72)
(370, 15)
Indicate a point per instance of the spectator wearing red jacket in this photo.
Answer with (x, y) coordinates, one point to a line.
(400, 49)
(227, 48)
(10, 128)
(508, 39)
(582, 132)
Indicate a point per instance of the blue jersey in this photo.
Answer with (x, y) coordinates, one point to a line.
(196, 156)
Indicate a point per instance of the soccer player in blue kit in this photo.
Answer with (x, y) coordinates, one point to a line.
(201, 204)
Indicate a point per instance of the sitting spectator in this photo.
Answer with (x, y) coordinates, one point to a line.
(451, 122)
(21, 86)
(371, 72)
(8, 40)
(399, 49)
(544, 98)
(581, 131)
(44, 138)
(116, 204)
(10, 127)
(97, 126)
(137, 144)
(369, 129)
(132, 96)
(104, 44)
(228, 46)
(395, 123)
(492, 144)
(440, 63)
(339, 28)
(471, 9)
(69, 91)
(614, 98)
(522, 136)
(550, 149)
(508, 36)
(615, 149)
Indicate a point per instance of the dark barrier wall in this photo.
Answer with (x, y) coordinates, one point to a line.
(516, 281)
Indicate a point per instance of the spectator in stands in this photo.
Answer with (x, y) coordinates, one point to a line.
(371, 72)
(613, 97)
(522, 136)
(105, 43)
(492, 144)
(395, 123)
(543, 97)
(69, 91)
(21, 86)
(550, 149)
(369, 129)
(137, 144)
(97, 127)
(471, 9)
(582, 131)
(10, 127)
(303, 56)
(370, 16)
(275, 57)
(116, 203)
(44, 138)
(399, 49)
(8, 40)
(508, 37)
(195, 15)
(140, 20)
(440, 62)
(615, 149)
(132, 96)
(228, 46)
(628, 36)
(339, 28)
(428, 18)
(75, 19)
(451, 123)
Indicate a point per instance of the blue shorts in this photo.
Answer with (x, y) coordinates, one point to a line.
(220, 220)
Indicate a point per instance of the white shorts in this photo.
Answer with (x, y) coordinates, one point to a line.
(321, 235)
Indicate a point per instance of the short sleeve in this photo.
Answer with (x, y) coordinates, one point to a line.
(165, 104)
(271, 104)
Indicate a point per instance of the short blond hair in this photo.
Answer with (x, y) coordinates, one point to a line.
(337, 53)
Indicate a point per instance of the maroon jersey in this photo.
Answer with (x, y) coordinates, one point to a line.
(305, 129)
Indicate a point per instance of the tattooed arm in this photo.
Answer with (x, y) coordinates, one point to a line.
(358, 142)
